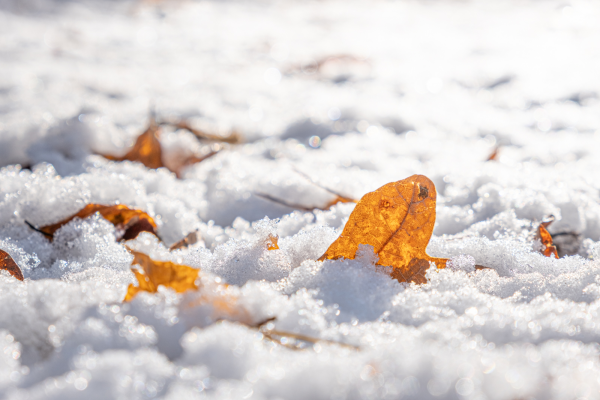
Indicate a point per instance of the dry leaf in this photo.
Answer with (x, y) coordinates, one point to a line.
(191, 238)
(8, 264)
(146, 149)
(155, 273)
(183, 278)
(494, 155)
(546, 238)
(129, 222)
(397, 220)
(272, 243)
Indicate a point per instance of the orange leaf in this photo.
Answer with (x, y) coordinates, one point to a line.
(8, 264)
(130, 221)
(397, 220)
(146, 149)
(272, 243)
(546, 238)
(155, 273)
(494, 155)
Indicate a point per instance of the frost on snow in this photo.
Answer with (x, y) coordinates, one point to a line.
(497, 102)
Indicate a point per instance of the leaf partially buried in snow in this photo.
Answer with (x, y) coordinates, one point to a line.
(397, 220)
(148, 151)
(129, 222)
(191, 238)
(272, 242)
(8, 264)
(155, 273)
(546, 239)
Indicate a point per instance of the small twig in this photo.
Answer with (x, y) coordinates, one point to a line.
(40, 231)
(233, 137)
(304, 338)
(340, 198)
(283, 202)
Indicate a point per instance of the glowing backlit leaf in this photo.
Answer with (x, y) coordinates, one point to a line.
(155, 273)
(8, 264)
(129, 222)
(546, 238)
(397, 220)
(146, 149)
(272, 243)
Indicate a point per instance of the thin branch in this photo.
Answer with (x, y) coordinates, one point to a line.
(233, 138)
(40, 231)
(339, 197)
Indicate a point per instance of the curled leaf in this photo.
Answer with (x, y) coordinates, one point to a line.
(546, 238)
(129, 222)
(155, 273)
(8, 264)
(397, 220)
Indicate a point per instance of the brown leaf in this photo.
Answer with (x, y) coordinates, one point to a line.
(191, 238)
(397, 220)
(8, 264)
(146, 149)
(155, 273)
(546, 238)
(129, 222)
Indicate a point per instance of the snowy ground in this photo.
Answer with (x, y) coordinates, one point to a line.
(403, 87)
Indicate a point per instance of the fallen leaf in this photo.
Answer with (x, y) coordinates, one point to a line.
(397, 220)
(191, 238)
(272, 243)
(8, 264)
(494, 155)
(546, 238)
(146, 149)
(155, 273)
(129, 222)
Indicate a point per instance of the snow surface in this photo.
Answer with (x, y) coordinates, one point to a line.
(410, 87)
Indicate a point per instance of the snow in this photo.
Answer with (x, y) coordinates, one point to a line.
(329, 96)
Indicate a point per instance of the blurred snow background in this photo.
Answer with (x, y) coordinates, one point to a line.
(353, 94)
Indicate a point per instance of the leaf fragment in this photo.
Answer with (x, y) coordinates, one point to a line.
(191, 238)
(546, 238)
(397, 220)
(8, 264)
(272, 242)
(494, 154)
(155, 273)
(129, 222)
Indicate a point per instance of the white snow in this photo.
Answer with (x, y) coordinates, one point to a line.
(339, 95)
